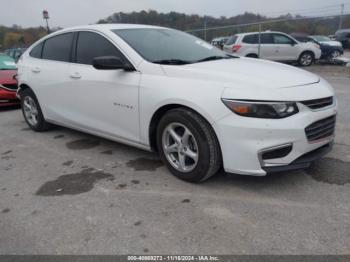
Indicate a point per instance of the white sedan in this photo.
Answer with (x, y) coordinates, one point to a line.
(164, 90)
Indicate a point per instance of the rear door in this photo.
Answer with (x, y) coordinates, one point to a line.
(47, 71)
(267, 48)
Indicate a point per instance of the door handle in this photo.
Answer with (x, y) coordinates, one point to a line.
(75, 75)
(36, 70)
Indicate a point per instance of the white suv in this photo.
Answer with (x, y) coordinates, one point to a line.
(199, 107)
(274, 46)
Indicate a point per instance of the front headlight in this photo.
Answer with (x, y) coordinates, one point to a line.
(262, 109)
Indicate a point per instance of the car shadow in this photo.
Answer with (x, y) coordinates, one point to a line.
(9, 108)
(222, 179)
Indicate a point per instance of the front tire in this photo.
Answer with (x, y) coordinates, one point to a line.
(306, 59)
(335, 54)
(32, 111)
(188, 146)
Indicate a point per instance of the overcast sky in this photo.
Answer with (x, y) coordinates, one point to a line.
(66, 13)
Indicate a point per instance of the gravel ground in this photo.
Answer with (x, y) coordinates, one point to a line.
(65, 192)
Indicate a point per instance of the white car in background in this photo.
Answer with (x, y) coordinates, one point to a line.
(274, 46)
(173, 93)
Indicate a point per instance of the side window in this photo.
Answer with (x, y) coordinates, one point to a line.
(282, 40)
(266, 39)
(58, 48)
(91, 45)
(251, 39)
(37, 51)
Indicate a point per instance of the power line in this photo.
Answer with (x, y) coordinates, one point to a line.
(308, 9)
(266, 22)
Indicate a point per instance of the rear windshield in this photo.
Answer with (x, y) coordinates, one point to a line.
(232, 40)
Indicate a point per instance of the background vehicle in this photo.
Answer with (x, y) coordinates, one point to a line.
(8, 84)
(274, 46)
(219, 42)
(330, 49)
(15, 53)
(343, 36)
(199, 107)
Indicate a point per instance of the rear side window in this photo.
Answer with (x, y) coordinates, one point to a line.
(91, 45)
(232, 40)
(266, 39)
(251, 39)
(37, 51)
(58, 48)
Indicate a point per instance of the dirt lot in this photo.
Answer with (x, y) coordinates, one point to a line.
(64, 192)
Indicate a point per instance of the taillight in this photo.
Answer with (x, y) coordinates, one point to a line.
(235, 48)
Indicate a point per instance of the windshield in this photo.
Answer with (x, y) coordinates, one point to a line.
(321, 38)
(167, 46)
(7, 63)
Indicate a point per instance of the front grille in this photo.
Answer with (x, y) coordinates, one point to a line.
(321, 129)
(13, 87)
(319, 103)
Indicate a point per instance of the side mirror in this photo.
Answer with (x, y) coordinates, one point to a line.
(111, 63)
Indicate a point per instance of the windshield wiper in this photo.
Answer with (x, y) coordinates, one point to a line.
(172, 62)
(212, 58)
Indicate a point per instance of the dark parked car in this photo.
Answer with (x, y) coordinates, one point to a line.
(343, 36)
(330, 49)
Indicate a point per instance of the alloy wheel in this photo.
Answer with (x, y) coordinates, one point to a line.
(306, 59)
(335, 54)
(180, 147)
(30, 111)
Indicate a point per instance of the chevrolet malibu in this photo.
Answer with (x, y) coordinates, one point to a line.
(164, 90)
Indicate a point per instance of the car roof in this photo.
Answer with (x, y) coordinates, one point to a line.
(262, 32)
(108, 27)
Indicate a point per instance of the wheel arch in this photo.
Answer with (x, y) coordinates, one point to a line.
(252, 55)
(160, 112)
(23, 87)
(307, 51)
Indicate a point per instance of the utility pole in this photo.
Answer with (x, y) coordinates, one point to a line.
(205, 28)
(259, 47)
(341, 17)
(46, 18)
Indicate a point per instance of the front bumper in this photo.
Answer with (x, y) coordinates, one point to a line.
(244, 139)
(8, 98)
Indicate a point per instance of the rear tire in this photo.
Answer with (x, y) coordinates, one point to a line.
(32, 111)
(306, 58)
(185, 137)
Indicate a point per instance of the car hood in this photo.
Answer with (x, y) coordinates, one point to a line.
(244, 73)
(6, 76)
(331, 43)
